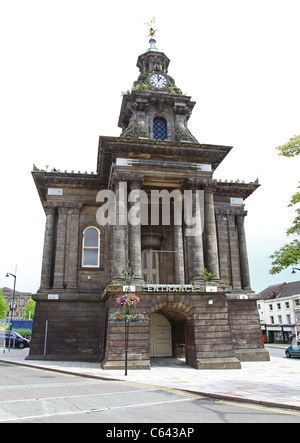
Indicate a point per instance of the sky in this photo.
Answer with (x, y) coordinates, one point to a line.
(65, 64)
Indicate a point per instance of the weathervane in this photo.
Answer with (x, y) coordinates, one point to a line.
(152, 31)
(150, 24)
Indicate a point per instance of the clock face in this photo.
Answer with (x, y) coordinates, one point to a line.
(159, 81)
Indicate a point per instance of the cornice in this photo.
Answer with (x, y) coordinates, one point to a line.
(44, 180)
(112, 147)
(236, 189)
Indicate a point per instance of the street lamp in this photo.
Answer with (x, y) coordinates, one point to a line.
(13, 300)
(294, 272)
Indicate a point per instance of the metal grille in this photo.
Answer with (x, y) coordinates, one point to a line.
(159, 128)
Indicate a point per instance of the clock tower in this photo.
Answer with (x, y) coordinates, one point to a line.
(156, 108)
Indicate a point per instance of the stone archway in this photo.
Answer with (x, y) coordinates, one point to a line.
(174, 330)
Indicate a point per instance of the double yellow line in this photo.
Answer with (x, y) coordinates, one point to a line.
(260, 408)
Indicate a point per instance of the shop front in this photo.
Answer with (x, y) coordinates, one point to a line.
(279, 334)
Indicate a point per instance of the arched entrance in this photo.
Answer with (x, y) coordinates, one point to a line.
(160, 336)
(172, 330)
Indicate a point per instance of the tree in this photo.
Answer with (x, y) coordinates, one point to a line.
(3, 306)
(289, 254)
(30, 309)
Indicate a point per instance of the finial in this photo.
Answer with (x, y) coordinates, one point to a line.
(152, 32)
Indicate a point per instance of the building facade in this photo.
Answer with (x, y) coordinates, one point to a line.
(153, 204)
(279, 312)
(20, 302)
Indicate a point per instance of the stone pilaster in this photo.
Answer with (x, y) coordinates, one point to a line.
(59, 266)
(245, 274)
(46, 277)
(223, 242)
(210, 230)
(72, 265)
(234, 251)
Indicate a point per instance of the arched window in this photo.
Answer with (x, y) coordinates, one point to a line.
(91, 248)
(159, 128)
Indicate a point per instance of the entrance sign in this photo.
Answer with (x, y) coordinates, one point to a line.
(171, 288)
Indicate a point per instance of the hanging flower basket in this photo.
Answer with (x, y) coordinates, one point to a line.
(128, 300)
(135, 318)
(120, 317)
(127, 309)
(117, 316)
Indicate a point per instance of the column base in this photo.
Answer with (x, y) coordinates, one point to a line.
(218, 363)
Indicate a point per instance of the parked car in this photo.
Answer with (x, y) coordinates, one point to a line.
(15, 340)
(293, 351)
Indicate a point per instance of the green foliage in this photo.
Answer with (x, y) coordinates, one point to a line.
(127, 276)
(289, 254)
(3, 306)
(30, 309)
(207, 276)
(25, 333)
(290, 149)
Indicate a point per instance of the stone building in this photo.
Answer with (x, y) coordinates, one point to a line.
(172, 237)
(21, 300)
(279, 312)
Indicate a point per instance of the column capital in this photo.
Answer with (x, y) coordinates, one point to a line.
(193, 183)
(75, 207)
(135, 182)
(231, 214)
(207, 185)
(115, 180)
(49, 208)
(241, 215)
(62, 208)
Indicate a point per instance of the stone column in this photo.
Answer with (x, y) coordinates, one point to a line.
(196, 239)
(223, 243)
(74, 245)
(47, 265)
(234, 251)
(179, 260)
(245, 274)
(59, 269)
(134, 226)
(119, 231)
(210, 231)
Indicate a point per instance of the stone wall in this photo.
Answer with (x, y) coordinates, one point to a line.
(246, 332)
(76, 330)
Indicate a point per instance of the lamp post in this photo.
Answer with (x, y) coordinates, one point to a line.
(13, 300)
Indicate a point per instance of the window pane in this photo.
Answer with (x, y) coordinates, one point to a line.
(145, 260)
(90, 257)
(154, 260)
(91, 237)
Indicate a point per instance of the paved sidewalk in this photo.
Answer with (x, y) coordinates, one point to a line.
(274, 383)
